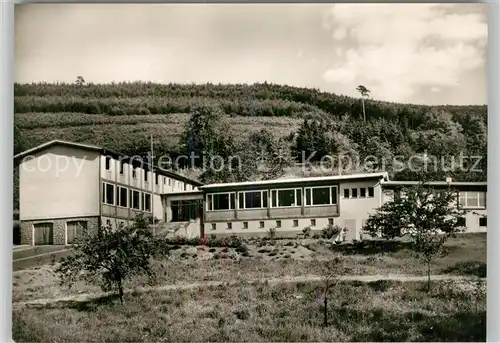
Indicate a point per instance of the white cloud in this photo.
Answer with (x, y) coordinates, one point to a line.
(395, 49)
(340, 33)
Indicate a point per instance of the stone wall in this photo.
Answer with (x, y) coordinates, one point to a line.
(59, 227)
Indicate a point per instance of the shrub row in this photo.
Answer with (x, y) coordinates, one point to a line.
(160, 105)
(237, 242)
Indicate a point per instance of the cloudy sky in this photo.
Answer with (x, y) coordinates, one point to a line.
(419, 53)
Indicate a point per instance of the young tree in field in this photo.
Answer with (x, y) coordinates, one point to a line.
(330, 272)
(364, 93)
(111, 256)
(427, 215)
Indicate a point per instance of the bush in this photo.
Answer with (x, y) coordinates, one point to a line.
(307, 232)
(330, 231)
(242, 249)
(181, 240)
(233, 242)
(272, 233)
(213, 241)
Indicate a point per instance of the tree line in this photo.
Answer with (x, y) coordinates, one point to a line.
(331, 125)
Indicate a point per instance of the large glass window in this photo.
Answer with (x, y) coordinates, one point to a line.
(253, 199)
(135, 197)
(286, 197)
(321, 196)
(461, 199)
(472, 199)
(257, 199)
(147, 202)
(108, 194)
(221, 201)
(121, 196)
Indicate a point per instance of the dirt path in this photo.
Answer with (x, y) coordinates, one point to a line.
(55, 252)
(292, 279)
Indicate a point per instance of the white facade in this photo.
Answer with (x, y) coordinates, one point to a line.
(64, 182)
(345, 201)
(354, 210)
(472, 202)
(59, 182)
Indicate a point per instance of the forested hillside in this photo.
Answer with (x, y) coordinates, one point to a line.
(279, 121)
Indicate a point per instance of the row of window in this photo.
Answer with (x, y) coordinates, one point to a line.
(472, 199)
(482, 221)
(293, 197)
(170, 181)
(462, 222)
(363, 193)
(466, 199)
(278, 224)
(124, 197)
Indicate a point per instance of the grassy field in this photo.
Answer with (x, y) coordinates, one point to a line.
(378, 311)
(385, 310)
(282, 258)
(118, 132)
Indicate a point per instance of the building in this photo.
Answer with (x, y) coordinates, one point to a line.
(470, 195)
(290, 205)
(67, 187)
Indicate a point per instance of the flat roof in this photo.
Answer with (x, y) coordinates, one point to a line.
(298, 180)
(435, 183)
(196, 191)
(102, 151)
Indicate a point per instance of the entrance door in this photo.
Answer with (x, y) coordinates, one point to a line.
(44, 233)
(350, 227)
(186, 210)
(75, 229)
